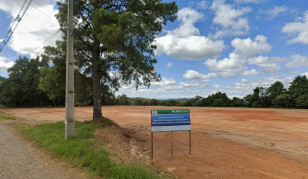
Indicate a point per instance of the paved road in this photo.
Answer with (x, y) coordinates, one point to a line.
(18, 159)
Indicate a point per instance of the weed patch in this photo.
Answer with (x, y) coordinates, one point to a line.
(79, 151)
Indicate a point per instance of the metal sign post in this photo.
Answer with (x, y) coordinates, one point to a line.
(169, 121)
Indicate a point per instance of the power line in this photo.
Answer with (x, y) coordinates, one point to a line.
(44, 42)
(45, 14)
(42, 6)
(13, 28)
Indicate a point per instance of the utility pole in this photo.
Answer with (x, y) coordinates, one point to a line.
(69, 93)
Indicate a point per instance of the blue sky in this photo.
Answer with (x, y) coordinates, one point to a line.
(230, 46)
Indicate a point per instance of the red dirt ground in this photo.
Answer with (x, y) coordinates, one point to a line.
(231, 143)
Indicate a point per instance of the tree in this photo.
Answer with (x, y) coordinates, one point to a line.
(302, 101)
(218, 103)
(282, 101)
(237, 102)
(22, 86)
(275, 90)
(117, 36)
(138, 102)
(154, 102)
(145, 103)
(299, 86)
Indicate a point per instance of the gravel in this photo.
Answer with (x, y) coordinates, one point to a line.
(19, 159)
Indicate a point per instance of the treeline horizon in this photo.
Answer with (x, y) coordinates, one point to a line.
(40, 82)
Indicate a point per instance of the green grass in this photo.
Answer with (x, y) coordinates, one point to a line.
(79, 152)
(3, 106)
(6, 117)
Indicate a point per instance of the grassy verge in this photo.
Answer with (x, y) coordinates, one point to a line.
(78, 150)
(6, 117)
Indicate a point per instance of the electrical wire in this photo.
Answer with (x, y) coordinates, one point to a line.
(45, 14)
(44, 42)
(12, 30)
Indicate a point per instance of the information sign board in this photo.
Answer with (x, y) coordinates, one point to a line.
(170, 120)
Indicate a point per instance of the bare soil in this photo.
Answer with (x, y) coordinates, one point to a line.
(226, 142)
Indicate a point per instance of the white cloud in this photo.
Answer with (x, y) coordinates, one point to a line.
(245, 87)
(244, 80)
(306, 74)
(5, 63)
(252, 72)
(247, 47)
(202, 5)
(169, 65)
(164, 82)
(216, 86)
(297, 61)
(230, 19)
(248, 1)
(298, 30)
(185, 42)
(192, 74)
(228, 67)
(269, 67)
(190, 83)
(35, 27)
(263, 60)
(274, 12)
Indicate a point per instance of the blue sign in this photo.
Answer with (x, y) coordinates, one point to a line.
(170, 120)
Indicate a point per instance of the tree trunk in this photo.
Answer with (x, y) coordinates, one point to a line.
(97, 110)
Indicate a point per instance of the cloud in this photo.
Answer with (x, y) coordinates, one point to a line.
(230, 19)
(228, 67)
(297, 61)
(274, 12)
(5, 63)
(252, 72)
(35, 27)
(306, 74)
(244, 80)
(185, 42)
(245, 87)
(202, 5)
(298, 30)
(164, 82)
(190, 83)
(248, 1)
(247, 47)
(269, 67)
(169, 65)
(263, 60)
(192, 74)
(216, 86)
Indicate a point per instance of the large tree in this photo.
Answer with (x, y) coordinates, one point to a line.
(118, 36)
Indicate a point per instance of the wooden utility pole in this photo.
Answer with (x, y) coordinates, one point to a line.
(69, 93)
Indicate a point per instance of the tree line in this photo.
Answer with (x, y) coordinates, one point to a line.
(40, 82)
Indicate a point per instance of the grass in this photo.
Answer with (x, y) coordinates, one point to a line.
(6, 117)
(3, 106)
(78, 150)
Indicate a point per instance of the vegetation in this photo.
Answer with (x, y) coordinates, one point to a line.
(77, 151)
(116, 36)
(6, 117)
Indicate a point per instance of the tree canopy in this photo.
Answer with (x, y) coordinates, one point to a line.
(117, 36)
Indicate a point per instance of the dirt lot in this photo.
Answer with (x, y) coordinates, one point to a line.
(226, 142)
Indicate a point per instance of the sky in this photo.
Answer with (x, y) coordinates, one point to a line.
(231, 46)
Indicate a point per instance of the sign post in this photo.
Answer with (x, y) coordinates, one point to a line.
(169, 121)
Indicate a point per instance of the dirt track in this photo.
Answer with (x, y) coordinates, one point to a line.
(226, 142)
